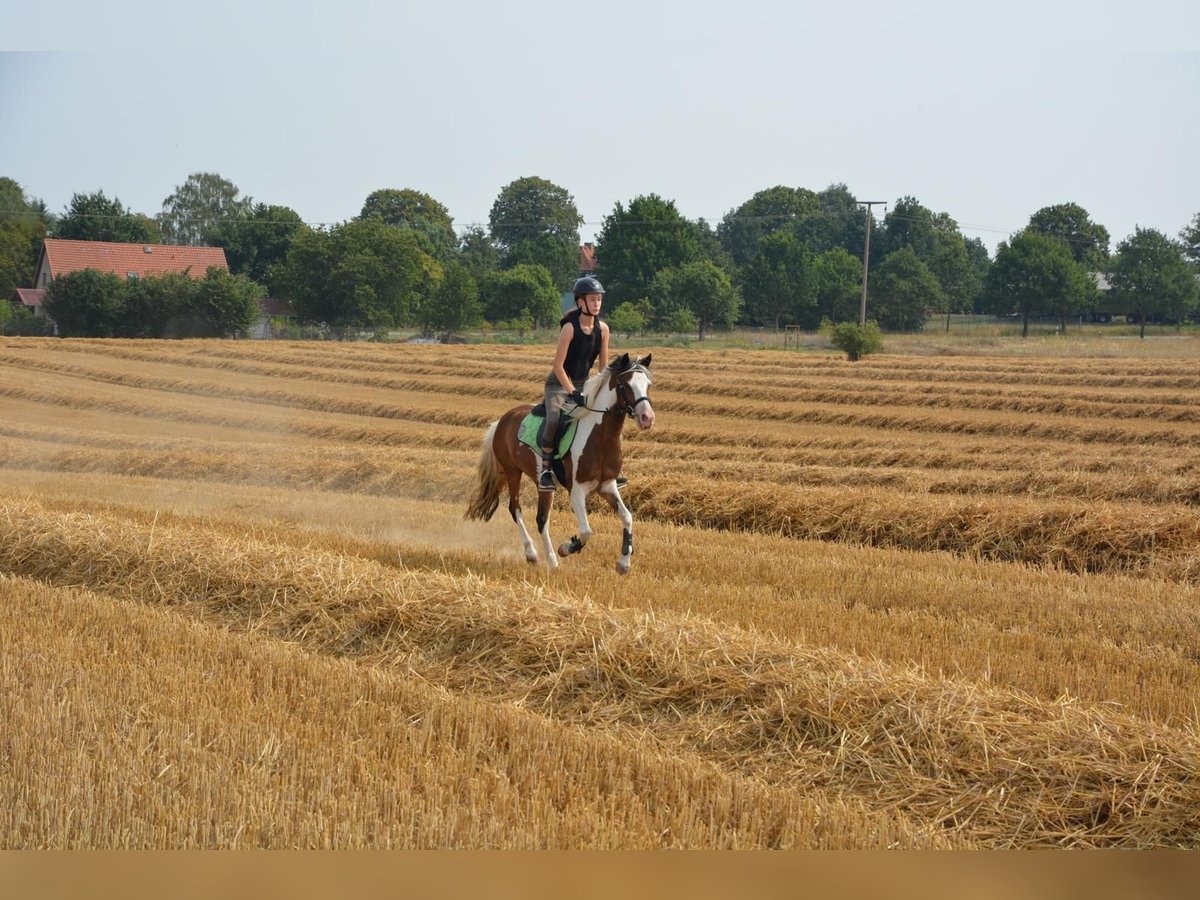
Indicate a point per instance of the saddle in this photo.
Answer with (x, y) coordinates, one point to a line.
(532, 428)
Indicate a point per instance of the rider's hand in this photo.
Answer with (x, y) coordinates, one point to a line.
(576, 397)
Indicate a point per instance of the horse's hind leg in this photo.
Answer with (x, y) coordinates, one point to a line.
(545, 500)
(610, 493)
(514, 510)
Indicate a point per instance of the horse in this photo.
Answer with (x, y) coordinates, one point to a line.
(617, 392)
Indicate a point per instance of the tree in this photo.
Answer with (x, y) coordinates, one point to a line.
(1150, 276)
(1035, 274)
(86, 303)
(768, 211)
(524, 291)
(534, 221)
(956, 276)
(413, 209)
(455, 303)
(908, 224)
(904, 291)
(23, 224)
(701, 288)
(1070, 223)
(257, 241)
(980, 262)
(477, 253)
(637, 242)
(359, 273)
(627, 319)
(778, 283)
(224, 305)
(198, 206)
(837, 285)
(94, 217)
(156, 306)
(1190, 236)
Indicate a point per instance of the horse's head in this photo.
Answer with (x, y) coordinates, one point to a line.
(631, 380)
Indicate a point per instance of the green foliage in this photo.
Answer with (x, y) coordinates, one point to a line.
(1035, 274)
(535, 222)
(638, 242)
(224, 305)
(779, 283)
(94, 217)
(23, 224)
(627, 319)
(455, 303)
(1070, 223)
(837, 285)
(902, 291)
(478, 253)
(702, 289)
(95, 304)
(1151, 278)
(198, 206)
(362, 273)
(257, 241)
(681, 321)
(1190, 238)
(414, 209)
(854, 339)
(85, 303)
(524, 292)
(769, 211)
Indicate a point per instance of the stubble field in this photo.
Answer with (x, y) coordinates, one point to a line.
(917, 601)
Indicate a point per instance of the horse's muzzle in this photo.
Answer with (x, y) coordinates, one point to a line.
(645, 416)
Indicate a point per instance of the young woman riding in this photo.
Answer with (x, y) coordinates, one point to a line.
(582, 340)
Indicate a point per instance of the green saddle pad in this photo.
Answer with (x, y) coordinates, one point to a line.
(527, 434)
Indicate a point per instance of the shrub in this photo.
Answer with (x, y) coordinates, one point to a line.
(856, 340)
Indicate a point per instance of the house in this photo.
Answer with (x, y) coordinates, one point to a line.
(274, 317)
(587, 266)
(31, 299)
(60, 257)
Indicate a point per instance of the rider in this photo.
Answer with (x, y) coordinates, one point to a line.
(582, 340)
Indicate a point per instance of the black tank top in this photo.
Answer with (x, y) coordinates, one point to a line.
(583, 350)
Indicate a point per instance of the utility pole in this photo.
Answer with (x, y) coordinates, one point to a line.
(862, 309)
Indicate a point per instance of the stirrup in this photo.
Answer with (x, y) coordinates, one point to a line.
(546, 479)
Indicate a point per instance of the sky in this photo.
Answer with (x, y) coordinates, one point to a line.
(987, 111)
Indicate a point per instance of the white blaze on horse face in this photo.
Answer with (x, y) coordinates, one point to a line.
(639, 384)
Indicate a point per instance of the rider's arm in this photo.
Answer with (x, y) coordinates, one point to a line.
(560, 357)
(602, 359)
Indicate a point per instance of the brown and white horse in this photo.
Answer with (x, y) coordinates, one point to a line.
(618, 392)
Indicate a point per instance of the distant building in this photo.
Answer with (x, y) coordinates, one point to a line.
(61, 257)
(587, 266)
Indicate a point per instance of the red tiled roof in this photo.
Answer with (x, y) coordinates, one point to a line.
(63, 257)
(587, 258)
(31, 297)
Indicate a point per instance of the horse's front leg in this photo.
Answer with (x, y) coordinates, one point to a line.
(545, 501)
(579, 494)
(609, 492)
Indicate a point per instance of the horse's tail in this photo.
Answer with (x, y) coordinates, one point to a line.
(486, 496)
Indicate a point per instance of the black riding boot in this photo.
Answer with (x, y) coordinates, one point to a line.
(546, 479)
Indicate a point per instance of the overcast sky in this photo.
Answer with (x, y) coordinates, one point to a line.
(987, 110)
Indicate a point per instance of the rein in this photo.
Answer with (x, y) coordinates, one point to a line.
(629, 409)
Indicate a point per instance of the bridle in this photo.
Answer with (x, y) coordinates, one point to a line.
(626, 406)
(629, 408)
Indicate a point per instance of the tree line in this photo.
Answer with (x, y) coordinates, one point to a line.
(786, 256)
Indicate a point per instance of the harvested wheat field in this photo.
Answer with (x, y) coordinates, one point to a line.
(937, 601)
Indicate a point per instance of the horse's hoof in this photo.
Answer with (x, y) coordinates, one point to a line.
(532, 560)
(564, 549)
(622, 567)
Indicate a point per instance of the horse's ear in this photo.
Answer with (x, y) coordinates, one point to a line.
(623, 362)
(644, 362)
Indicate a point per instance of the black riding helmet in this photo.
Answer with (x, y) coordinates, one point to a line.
(587, 285)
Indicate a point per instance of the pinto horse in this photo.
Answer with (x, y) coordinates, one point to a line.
(618, 392)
